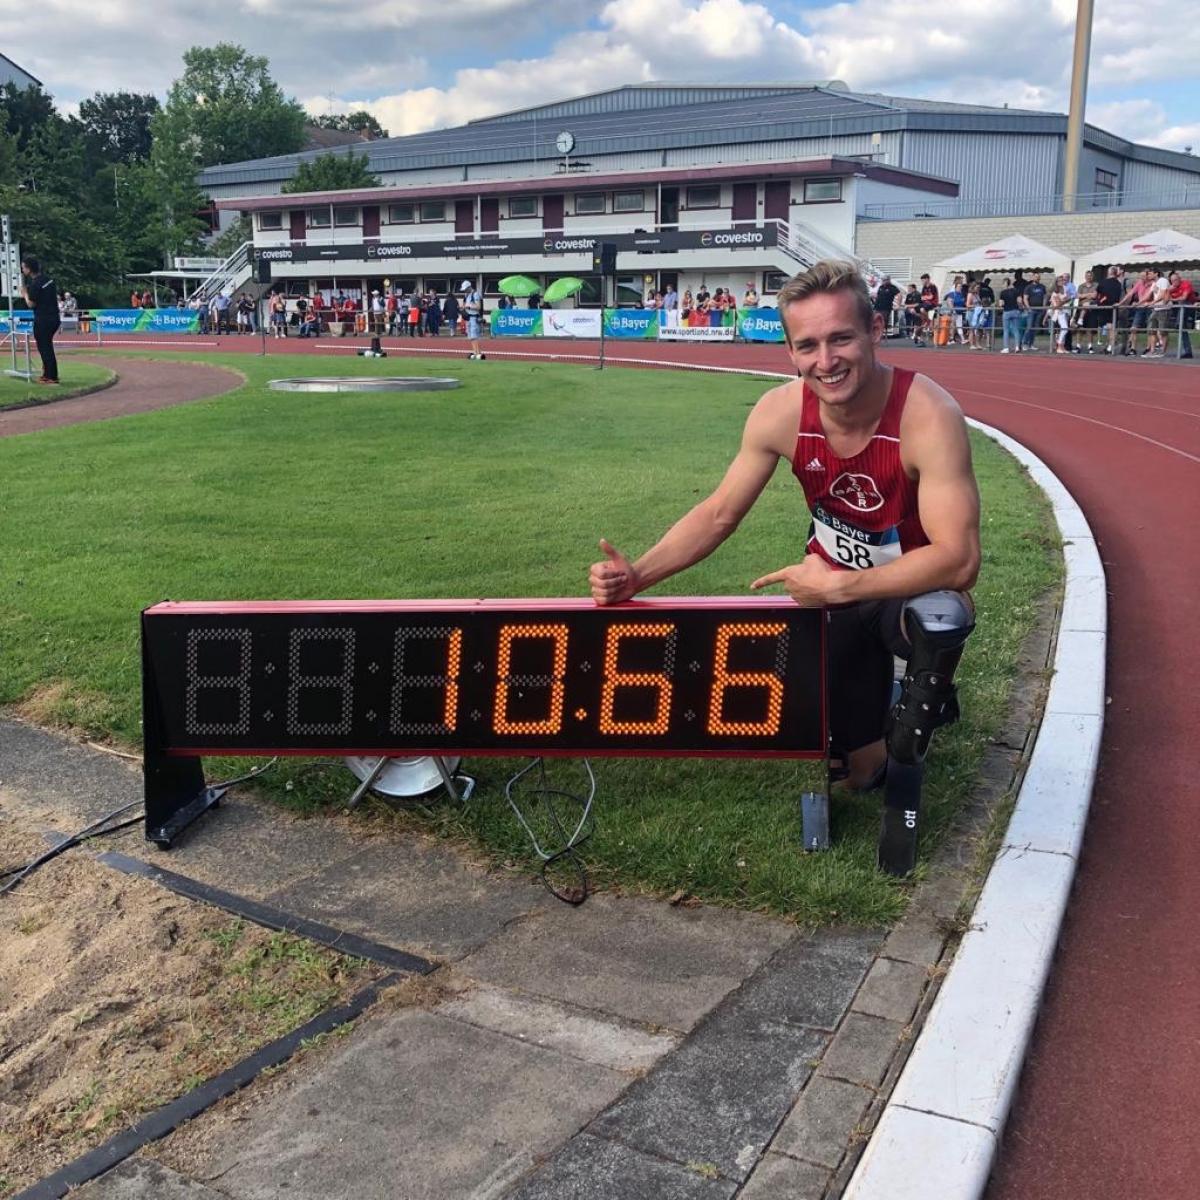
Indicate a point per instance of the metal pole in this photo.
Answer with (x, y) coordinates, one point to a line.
(1079, 75)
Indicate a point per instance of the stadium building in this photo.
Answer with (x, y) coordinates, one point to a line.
(720, 185)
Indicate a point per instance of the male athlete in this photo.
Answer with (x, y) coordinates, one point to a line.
(883, 457)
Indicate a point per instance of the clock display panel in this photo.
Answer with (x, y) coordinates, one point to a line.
(715, 676)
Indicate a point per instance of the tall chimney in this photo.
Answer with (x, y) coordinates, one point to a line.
(1079, 74)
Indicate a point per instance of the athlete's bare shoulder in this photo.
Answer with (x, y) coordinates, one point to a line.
(932, 425)
(775, 419)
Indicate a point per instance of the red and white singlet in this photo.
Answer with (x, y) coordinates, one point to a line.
(864, 509)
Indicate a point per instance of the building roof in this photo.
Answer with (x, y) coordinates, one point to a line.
(590, 182)
(19, 70)
(686, 116)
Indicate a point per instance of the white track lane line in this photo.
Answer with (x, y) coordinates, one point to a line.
(1058, 412)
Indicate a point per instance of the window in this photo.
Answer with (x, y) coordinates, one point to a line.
(522, 206)
(440, 286)
(433, 210)
(773, 281)
(630, 291)
(704, 197)
(400, 214)
(345, 216)
(491, 285)
(627, 202)
(590, 202)
(1106, 181)
(821, 191)
(318, 218)
(270, 220)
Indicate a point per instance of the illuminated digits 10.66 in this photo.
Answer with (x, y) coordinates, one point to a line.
(614, 678)
(448, 681)
(299, 682)
(238, 679)
(552, 722)
(723, 679)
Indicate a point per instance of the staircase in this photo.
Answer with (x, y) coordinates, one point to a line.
(801, 246)
(231, 276)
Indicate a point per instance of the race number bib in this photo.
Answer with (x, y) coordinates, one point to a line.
(852, 547)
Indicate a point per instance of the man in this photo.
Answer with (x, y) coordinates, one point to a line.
(1160, 313)
(1035, 308)
(450, 312)
(885, 301)
(42, 296)
(883, 457)
(1139, 300)
(929, 302)
(1183, 296)
(473, 307)
(1010, 309)
(957, 298)
(1108, 295)
(912, 314)
(750, 295)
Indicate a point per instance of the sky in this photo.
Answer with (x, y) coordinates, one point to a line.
(424, 64)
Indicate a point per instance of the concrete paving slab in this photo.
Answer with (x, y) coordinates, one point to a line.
(919, 938)
(820, 1126)
(720, 1097)
(637, 959)
(862, 1049)
(612, 1044)
(593, 1168)
(811, 981)
(892, 990)
(143, 1179)
(778, 1177)
(417, 897)
(415, 1105)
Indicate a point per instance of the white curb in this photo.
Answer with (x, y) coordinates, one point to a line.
(940, 1129)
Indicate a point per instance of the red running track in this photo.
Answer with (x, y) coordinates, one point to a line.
(1109, 1106)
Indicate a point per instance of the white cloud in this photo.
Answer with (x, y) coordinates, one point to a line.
(392, 56)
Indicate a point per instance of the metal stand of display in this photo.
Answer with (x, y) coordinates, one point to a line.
(10, 274)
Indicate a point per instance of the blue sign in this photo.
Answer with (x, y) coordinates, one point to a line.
(760, 325)
(515, 322)
(631, 322)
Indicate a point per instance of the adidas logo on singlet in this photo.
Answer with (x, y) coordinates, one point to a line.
(815, 465)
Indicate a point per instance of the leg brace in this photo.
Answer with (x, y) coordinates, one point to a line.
(938, 625)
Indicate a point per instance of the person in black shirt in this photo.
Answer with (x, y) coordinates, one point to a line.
(42, 296)
(1035, 306)
(885, 301)
(1108, 295)
(1010, 304)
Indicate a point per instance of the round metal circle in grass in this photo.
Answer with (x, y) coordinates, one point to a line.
(366, 383)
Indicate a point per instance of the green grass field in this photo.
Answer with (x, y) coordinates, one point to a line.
(500, 488)
(74, 377)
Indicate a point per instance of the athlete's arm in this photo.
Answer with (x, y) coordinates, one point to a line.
(697, 534)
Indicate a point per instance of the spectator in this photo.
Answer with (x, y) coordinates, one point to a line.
(987, 305)
(148, 299)
(41, 294)
(957, 296)
(912, 314)
(1058, 316)
(245, 314)
(885, 300)
(1183, 296)
(1109, 293)
(135, 299)
(451, 312)
(1036, 310)
(277, 309)
(69, 305)
(203, 315)
(433, 315)
(1086, 314)
(671, 298)
(973, 311)
(348, 314)
(1139, 299)
(686, 304)
(473, 308)
(221, 313)
(929, 302)
(1012, 317)
(750, 295)
(702, 297)
(414, 314)
(1160, 314)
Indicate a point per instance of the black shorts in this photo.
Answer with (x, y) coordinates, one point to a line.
(1141, 318)
(862, 641)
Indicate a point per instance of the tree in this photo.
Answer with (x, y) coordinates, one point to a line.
(332, 172)
(359, 121)
(225, 107)
(116, 126)
(23, 111)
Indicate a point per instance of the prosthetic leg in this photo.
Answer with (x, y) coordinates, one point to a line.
(938, 625)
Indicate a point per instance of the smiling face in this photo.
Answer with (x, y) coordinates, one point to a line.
(831, 344)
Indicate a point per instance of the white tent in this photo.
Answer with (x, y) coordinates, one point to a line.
(1015, 253)
(1163, 247)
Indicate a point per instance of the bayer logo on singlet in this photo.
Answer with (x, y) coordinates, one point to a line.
(858, 491)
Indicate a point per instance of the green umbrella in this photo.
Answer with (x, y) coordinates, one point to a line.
(519, 285)
(560, 289)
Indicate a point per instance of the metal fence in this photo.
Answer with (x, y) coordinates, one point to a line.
(1028, 206)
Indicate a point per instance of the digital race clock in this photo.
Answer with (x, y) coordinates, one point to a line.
(513, 677)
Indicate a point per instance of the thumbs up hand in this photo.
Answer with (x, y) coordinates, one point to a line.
(613, 579)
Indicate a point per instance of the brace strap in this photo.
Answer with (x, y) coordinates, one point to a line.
(926, 707)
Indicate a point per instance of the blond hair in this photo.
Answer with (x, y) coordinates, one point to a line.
(828, 276)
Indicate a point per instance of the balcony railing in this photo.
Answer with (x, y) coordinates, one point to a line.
(1027, 206)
